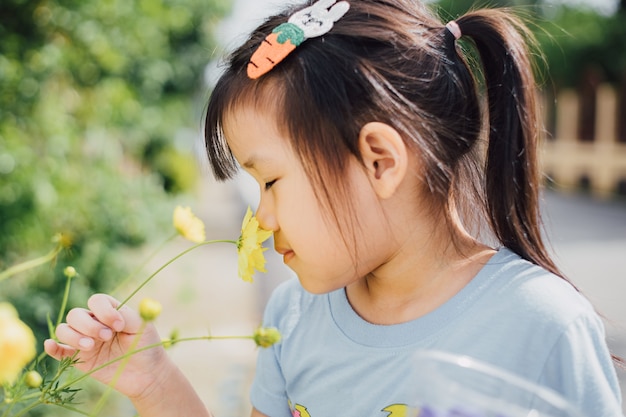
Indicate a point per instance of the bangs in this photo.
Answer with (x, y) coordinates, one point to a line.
(232, 92)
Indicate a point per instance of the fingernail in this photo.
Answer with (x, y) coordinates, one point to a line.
(118, 325)
(105, 334)
(85, 342)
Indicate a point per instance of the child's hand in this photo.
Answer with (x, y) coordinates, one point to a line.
(102, 334)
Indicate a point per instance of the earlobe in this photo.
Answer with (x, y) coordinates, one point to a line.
(385, 157)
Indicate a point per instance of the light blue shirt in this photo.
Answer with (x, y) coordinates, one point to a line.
(513, 315)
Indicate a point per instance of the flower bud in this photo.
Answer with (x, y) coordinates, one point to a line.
(69, 272)
(63, 239)
(171, 341)
(266, 336)
(33, 379)
(149, 309)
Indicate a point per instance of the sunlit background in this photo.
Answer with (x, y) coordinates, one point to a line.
(100, 123)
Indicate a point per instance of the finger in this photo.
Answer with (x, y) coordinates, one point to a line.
(73, 338)
(132, 320)
(105, 309)
(84, 322)
(57, 350)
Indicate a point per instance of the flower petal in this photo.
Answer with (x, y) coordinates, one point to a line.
(188, 225)
(17, 345)
(249, 247)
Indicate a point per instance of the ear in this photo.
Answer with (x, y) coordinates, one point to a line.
(385, 157)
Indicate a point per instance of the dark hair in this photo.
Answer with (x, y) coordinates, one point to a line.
(393, 61)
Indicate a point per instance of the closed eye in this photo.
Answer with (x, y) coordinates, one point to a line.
(269, 184)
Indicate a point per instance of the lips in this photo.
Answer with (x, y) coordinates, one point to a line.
(288, 254)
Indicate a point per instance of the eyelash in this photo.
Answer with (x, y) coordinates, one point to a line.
(269, 184)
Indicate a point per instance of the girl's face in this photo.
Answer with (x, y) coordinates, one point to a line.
(311, 245)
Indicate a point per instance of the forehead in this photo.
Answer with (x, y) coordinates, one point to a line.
(253, 135)
(261, 102)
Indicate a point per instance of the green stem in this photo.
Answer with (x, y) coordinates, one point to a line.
(28, 408)
(9, 408)
(17, 399)
(76, 410)
(143, 264)
(33, 263)
(57, 376)
(66, 296)
(118, 372)
(39, 358)
(161, 343)
(143, 284)
(128, 354)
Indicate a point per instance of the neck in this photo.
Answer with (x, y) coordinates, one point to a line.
(418, 278)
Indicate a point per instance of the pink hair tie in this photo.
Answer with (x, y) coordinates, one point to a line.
(454, 29)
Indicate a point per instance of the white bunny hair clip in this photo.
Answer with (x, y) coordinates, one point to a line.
(309, 22)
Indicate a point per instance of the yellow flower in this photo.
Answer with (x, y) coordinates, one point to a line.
(266, 336)
(17, 344)
(149, 309)
(63, 239)
(249, 247)
(188, 225)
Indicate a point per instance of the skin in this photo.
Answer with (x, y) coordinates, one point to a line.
(407, 264)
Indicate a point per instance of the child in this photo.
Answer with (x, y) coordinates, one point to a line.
(379, 152)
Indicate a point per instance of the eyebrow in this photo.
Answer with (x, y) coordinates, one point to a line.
(249, 163)
(253, 161)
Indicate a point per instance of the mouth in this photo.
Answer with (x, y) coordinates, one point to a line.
(288, 254)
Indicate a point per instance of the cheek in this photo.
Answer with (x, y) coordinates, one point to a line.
(326, 258)
(314, 238)
(324, 261)
(308, 228)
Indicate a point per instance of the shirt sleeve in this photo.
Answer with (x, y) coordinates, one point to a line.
(268, 388)
(581, 369)
(268, 393)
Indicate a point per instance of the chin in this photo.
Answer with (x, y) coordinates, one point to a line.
(315, 286)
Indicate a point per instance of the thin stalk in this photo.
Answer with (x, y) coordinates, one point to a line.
(27, 409)
(66, 296)
(57, 376)
(74, 409)
(143, 284)
(33, 263)
(9, 408)
(147, 347)
(85, 375)
(143, 264)
(118, 372)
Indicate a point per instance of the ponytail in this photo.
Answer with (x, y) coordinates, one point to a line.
(511, 173)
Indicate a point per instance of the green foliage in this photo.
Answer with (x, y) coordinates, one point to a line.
(451, 9)
(96, 106)
(572, 40)
(575, 41)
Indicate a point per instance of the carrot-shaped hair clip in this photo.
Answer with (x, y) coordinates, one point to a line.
(310, 22)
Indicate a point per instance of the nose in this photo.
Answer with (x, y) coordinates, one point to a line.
(266, 216)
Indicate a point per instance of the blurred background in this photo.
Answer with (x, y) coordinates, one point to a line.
(100, 122)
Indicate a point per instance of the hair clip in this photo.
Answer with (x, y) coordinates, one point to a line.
(309, 22)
